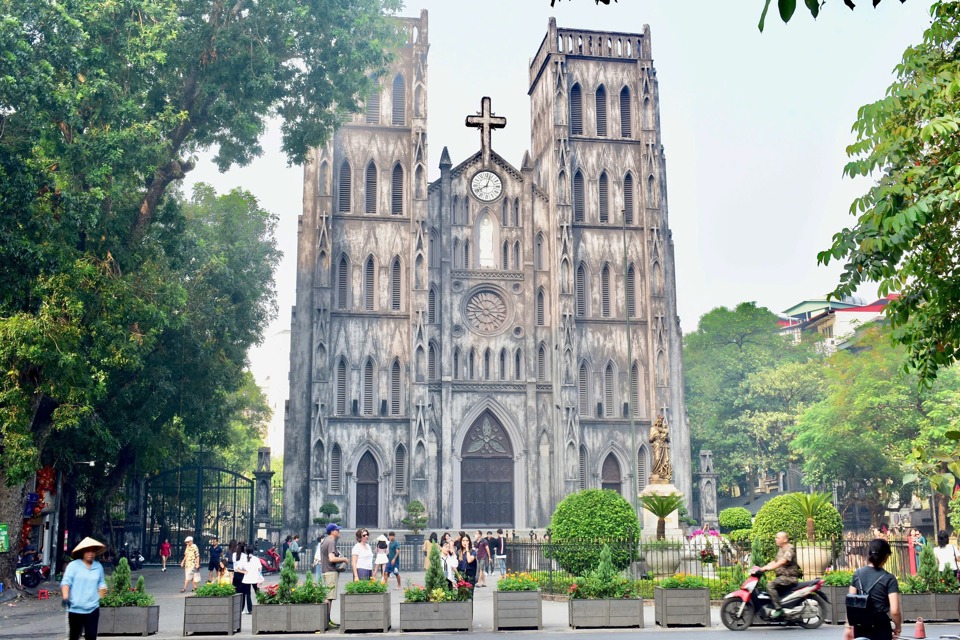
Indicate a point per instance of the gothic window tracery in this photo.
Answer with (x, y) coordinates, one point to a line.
(344, 187)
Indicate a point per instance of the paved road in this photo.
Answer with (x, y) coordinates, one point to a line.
(43, 619)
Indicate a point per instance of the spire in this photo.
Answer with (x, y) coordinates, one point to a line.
(445, 159)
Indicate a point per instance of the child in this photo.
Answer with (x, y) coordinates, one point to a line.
(380, 564)
(223, 574)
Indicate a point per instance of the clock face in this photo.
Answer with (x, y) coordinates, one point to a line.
(486, 185)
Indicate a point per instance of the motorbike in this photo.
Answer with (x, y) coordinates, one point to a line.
(803, 605)
(271, 563)
(32, 575)
(134, 558)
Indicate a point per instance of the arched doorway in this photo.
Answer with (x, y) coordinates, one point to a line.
(368, 491)
(486, 472)
(610, 476)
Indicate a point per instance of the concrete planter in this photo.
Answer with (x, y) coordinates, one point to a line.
(517, 610)
(947, 605)
(676, 607)
(364, 612)
(290, 618)
(212, 615)
(918, 605)
(836, 612)
(129, 621)
(813, 560)
(436, 616)
(611, 614)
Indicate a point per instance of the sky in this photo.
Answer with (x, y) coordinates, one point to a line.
(754, 126)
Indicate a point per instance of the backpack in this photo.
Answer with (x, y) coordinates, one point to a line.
(861, 612)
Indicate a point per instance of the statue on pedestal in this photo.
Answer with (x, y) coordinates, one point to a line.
(661, 471)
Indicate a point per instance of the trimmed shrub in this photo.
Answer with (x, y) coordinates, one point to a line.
(779, 515)
(584, 521)
(735, 518)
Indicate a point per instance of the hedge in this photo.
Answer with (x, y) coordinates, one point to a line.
(584, 521)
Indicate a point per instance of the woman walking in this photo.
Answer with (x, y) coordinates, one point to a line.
(164, 553)
(362, 556)
(946, 553)
(380, 563)
(252, 577)
(884, 593)
(82, 587)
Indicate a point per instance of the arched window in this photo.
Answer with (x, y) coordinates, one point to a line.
(432, 306)
(503, 364)
(456, 363)
(343, 191)
(395, 284)
(418, 275)
(455, 211)
(341, 387)
(538, 252)
(605, 291)
(609, 398)
(486, 256)
(368, 387)
(628, 198)
(632, 291)
(651, 192)
(335, 470)
(324, 178)
(433, 248)
(603, 199)
(505, 256)
(400, 469)
(641, 468)
(583, 468)
(505, 213)
(583, 390)
(396, 191)
(540, 311)
(564, 275)
(610, 476)
(457, 255)
(516, 212)
(518, 365)
(578, 197)
(395, 388)
(466, 255)
(343, 283)
(319, 459)
(420, 365)
(576, 111)
(399, 101)
(486, 364)
(370, 186)
(373, 105)
(542, 363)
(581, 290)
(472, 364)
(601, 111)
(517, 264)
(432, 362)
(636, 398)
(369, 284)
(626, 129)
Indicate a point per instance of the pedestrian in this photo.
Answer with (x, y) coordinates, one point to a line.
(362, 556)
(491, 546)
(216, 551)
(945, 552)
(787, 571)
(252, 577)
(331, 564)
(82, 586)
(483, 554)
(295, 549)
(380, 563)
(393, 558)
(164, 553)
(500, 553)
(427, 546)
(468, 560)
(224, 575)
(190, 564)
(231, 551)
(317, 571)
(285, 547)
(236, 561)
(448, 556)
(884, 593)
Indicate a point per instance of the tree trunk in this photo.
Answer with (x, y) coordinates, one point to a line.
(12, 500)
(811, 532)
(661, 528)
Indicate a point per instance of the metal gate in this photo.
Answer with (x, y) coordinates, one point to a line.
(202, 502)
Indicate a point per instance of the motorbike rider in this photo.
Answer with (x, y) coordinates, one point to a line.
(786, 569)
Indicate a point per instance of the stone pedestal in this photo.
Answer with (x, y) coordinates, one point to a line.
(672, 530)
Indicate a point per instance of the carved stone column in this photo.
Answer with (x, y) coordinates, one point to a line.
(708, 491)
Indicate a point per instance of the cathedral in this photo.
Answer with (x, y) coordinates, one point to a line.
(494, 340)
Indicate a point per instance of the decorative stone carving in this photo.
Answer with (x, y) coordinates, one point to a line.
(489, 438)
(661, 471)
(486, 312)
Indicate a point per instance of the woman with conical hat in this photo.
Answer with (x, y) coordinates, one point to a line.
(82, 587)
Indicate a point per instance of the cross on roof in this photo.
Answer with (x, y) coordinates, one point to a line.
(486, 121)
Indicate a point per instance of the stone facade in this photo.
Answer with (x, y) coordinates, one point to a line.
(465, 342)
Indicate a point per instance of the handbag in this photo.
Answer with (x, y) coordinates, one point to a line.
(196, 578)
(860, 613)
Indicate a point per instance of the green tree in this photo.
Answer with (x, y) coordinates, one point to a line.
(661, 507)
(587, 518)
(787, 8)
(905, 235)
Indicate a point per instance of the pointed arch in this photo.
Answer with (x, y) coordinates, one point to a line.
(661, 369)
(457, 255)
(432, 305)
(486, 233)
(516, 212)
(372, 111)
(517, 252)
(540, 313)
(505, 256)
(396, 191)
(455, 211)
(611, 476)
(396, 284)
(603, 198)
(518, 364)
(570, 462)
(319, 460)
(344, 188)
(542, 363)
(576, 110)
(370, 188)
(466, 255)
(324, 178)
(418, 274)
(433, 351)
(578, 196)
(367, 398)
(609, 391)
(582, 291)
(420, 461)
(626, 120)
(538, 252)
(433, 248)
(637, 398)
(601, 111)
(631, 291)
(369, 285)
(396, 388)
(487, 356)
(583, 468)
(420, 365)
(336, 469)
(651, 192)
(648, 116)
(505, 213)
(564, 275)
(399, 101)
(562, 194)
(643, 457)
(605, 291)
(583, 389)
(400, 469)
(456, 363)
(343, 282)
(342, 382)
(628, 198)
(472, 364)
(503, 364)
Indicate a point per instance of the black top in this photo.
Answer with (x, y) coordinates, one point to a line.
(886, 583)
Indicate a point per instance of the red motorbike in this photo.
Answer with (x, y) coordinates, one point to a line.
(271, 563)
(802, 605)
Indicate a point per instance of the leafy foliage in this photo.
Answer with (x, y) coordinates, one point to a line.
(809, 506)
(662, 507)
(517, 582)
(929, 579)
(310, 592)
(415, 519)
(838, 578)
(414, 593)
(214, 590)
(120, 594)
(779, 514)
(786, 8)
(684, 581)
(434, 577)
(905, 235)
(365, 586)
(585, 520)
(604, 582)
(733, 518)
(328, 514)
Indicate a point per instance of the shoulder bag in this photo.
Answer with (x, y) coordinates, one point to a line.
(860, 612)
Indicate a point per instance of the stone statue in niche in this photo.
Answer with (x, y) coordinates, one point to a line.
(661, 471)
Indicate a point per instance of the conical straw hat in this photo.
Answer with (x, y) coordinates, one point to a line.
(88, 544)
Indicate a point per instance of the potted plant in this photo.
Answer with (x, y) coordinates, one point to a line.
(682, 600)
(328, 514)
(812, 558)
(416, 520)
(836, 585)
(931, 594)
(605, 598)
(290, 607)
(365, 606)
(213, 608)
(126, 611)
(436, 606)
(516, 603)
(662, 507)
(662, 557)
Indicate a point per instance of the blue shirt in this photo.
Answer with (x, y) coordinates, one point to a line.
(84, 584)
(393, 551)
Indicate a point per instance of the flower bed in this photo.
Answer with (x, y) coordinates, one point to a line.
(213, 608)
(517, 603)
(682, 600)
(291, 607)
(125, 610)
(365, 606)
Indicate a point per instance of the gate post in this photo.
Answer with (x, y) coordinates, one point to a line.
(264, 477)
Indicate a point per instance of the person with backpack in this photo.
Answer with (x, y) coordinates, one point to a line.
(880, 618)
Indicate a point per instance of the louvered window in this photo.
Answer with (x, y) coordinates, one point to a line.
(610, 477)
(578, 197)
(466, 255)
(486, 364)
(432, 306)
(517, 265)
(471, 365)
(641, 469)
(505, 214)
(635, 389)
(434, 249)
(632, 292)
(368, 388)
(518, 365)
(395, 278)
(605, 292)
(542, 364)
(456, 363)
(373, 106)
(400, 470)
(399, 101)
(604, 199)
(343, 283)
(505, 257)
(335, 470)
(396, 192)
(576, 111)
(538, 253)
(341, 388)
(395, 389)
(369, 285)
(581, 291)
(343, 192)
(601, 111)
(608, 396)
(503, 364)
(583, 468)
(628, 198)
(455, 210)
(370, 182)
(457, 255)
(432, 362)
(516, 212)
(582, 391)
(540, 310)
(626, 130)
